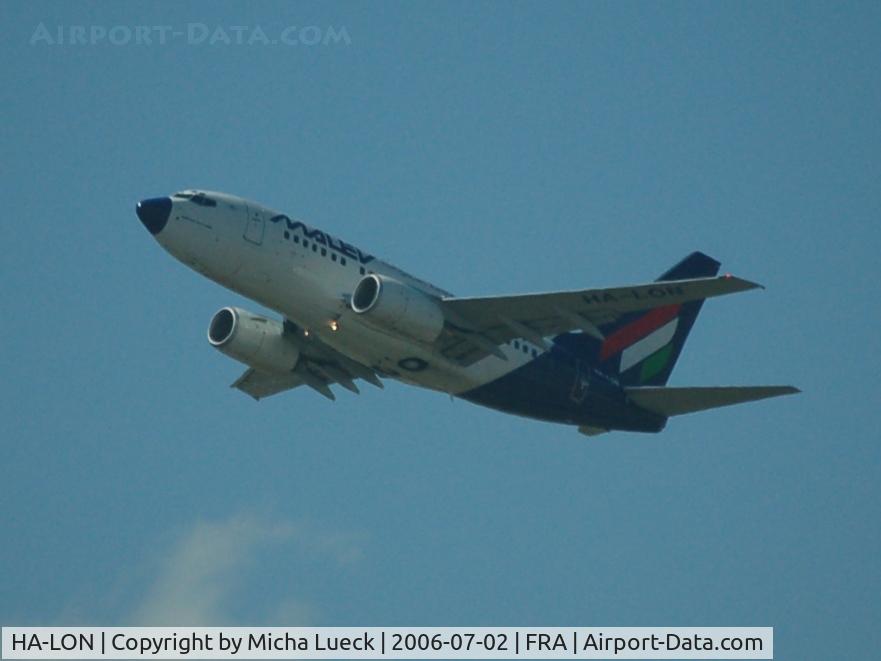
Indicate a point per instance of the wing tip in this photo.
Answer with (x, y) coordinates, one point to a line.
(742, 283)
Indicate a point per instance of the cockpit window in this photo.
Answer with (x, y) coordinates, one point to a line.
(196, 197)
(203, 200)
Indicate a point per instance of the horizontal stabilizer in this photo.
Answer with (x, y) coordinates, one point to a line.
(678, 401)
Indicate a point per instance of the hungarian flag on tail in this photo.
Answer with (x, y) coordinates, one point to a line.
(641, 348)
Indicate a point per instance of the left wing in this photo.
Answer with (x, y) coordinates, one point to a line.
(260, 384)
(476, 326)
(319, 367)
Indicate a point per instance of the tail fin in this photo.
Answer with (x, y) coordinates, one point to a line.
(641, 348)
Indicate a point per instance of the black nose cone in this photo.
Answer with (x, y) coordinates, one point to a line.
(154, 213)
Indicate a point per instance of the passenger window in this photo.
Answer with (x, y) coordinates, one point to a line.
(324, 252)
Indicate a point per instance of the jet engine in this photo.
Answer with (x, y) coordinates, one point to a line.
(258, 342)
(391, 305)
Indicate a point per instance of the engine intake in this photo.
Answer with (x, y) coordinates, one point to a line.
(258, 342)
(388, 304)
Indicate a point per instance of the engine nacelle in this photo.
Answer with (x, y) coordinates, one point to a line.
(254, 340)
(391, 305)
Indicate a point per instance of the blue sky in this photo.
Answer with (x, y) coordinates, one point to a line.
(489, 148)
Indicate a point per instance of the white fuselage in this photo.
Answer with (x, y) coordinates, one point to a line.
(308, 277)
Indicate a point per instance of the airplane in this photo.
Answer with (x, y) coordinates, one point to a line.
(596, 359)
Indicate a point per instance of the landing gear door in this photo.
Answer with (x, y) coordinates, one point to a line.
(256, 226)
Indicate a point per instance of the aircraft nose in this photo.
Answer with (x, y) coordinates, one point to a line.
(154, 213)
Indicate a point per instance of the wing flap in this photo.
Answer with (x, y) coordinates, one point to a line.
(587, 430)
(679, 401)
(259, 384)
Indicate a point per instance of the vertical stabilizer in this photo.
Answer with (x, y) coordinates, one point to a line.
(641, 348)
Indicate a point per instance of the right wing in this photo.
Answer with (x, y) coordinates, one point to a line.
(476, 326)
